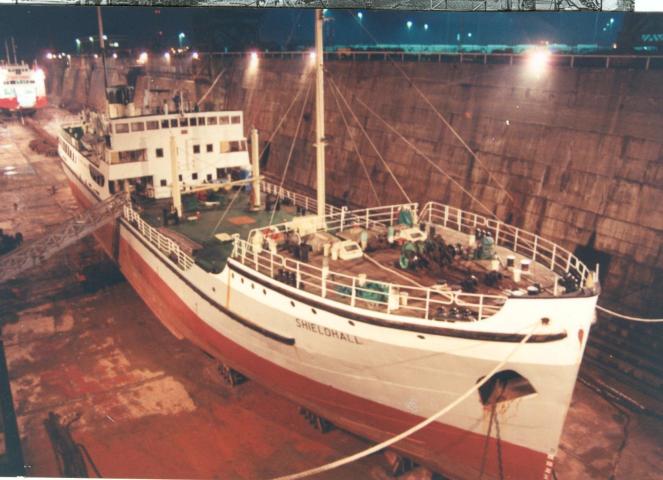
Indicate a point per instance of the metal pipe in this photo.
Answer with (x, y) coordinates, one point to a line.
(255, 164)
(175, 179)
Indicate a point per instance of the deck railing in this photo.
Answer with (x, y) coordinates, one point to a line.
(522, 242)
(339, 219)
(165, 245)
(308, 203)
(376, 295)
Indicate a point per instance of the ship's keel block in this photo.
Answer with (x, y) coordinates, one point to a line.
(398, 464)
(316, 421)
(231, 377)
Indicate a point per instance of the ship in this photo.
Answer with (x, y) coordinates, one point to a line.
(372, 319)
(22, 88)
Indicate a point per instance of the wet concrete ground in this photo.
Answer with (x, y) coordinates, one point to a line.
(152, 406)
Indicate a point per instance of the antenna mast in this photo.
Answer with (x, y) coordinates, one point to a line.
(320, 114)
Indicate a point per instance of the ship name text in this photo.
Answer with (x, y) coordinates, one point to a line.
(328, 332)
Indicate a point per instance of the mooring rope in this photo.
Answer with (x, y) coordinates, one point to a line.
(628, 317)
(414, 429)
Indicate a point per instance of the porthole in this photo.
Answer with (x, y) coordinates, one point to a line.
(214, 289)
(421, 336)
(314, 311)
(232, 275)
(351, 323)
(253, 285)
(264, 292)
(292, 303)
(241, 279)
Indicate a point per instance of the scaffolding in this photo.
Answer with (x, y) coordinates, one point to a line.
(38, 251)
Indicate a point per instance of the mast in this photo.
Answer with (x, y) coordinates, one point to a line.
(319, 115)
(102, 45)
(14, 49)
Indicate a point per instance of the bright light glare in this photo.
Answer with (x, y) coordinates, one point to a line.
(425, 26)
(537, 61)
(167, 56)
(409, 24)
(96, 56)
(49, 55)
(311, 56)
(195, 55)
(360, 15)
(39, 75)
(115, 55)
(142, 58)
(253, 63)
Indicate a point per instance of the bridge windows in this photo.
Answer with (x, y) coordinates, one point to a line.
(224, 120)
(212, 120)
(121, 128)
(159, 152)
(97, 176)
(184, 122)
(194, 176)
(193, 121)
(173, 122)
(235, 119)
(129, 156)
(164, 123)
(210, 148)
(163, 182)
(137, 126)
(152, 125)
(196, 149)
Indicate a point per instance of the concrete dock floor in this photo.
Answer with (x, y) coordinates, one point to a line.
(152, 406)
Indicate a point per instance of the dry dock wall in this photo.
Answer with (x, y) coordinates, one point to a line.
(579, 150)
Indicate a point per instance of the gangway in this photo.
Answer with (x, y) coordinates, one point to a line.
(77, 227)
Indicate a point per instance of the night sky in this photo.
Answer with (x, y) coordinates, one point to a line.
(38, 28)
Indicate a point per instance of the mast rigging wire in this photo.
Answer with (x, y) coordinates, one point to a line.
(278, 127)
(292, 148)
(426, 157)
(361, 127)
(439, 115)
(356, 148)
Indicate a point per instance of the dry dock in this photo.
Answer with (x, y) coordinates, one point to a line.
(80, 343)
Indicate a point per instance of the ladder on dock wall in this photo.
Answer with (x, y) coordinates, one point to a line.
(38, 251)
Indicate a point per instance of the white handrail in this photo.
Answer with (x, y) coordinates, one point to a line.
(550, 255)
(378, 295)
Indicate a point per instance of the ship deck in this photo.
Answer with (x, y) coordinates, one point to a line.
(225, 213)
(228, 213)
